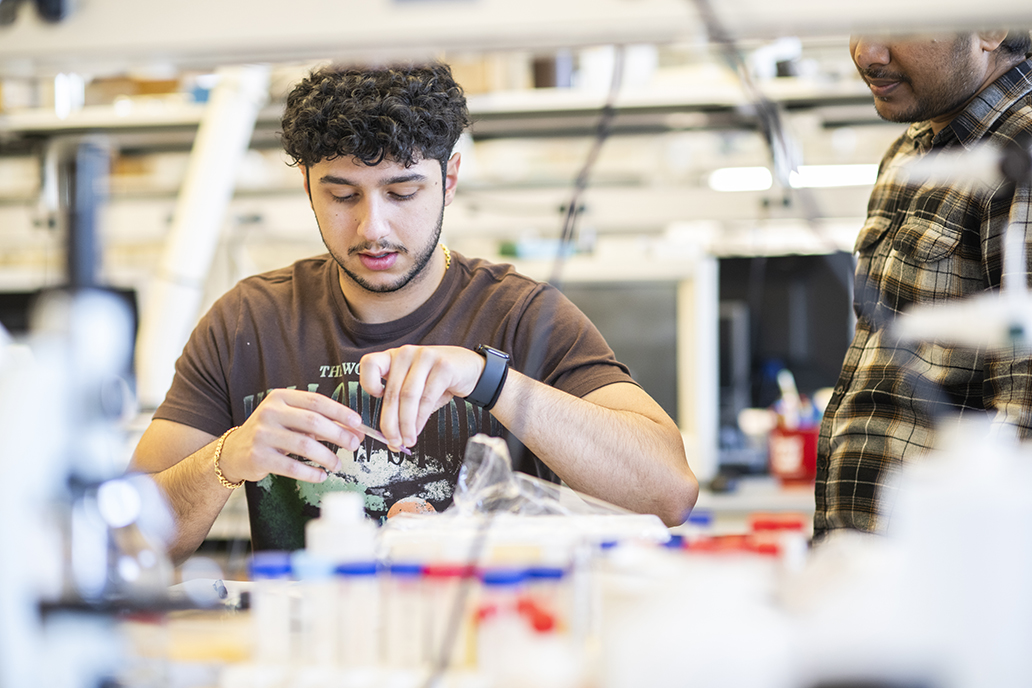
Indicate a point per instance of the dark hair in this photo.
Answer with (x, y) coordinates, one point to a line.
(400, 113)
(1017, 42)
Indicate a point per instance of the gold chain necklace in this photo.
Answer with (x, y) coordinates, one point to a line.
(447, 257)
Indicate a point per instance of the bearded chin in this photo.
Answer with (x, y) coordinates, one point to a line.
(925, 109)
(417, 270)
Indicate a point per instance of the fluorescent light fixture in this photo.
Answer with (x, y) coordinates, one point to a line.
(807, 176)
(741, 179)
(820, 176)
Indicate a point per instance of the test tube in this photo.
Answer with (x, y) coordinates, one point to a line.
(549, 598)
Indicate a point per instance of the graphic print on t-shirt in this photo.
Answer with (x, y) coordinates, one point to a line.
(390, 482)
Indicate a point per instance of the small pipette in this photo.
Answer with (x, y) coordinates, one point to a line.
(377, 435)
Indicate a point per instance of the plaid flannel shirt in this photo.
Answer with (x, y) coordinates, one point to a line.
(924, 243)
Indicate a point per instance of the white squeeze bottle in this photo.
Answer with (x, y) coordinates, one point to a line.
(346, 539)
(342, 533)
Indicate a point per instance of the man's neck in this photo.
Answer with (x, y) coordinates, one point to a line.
(1002, 64)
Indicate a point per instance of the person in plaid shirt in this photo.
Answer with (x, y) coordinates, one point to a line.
(926, 243)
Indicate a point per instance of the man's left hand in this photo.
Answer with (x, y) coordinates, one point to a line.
(415, 381)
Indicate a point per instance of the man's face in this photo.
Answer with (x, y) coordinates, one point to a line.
(381, 224)
(917, 78)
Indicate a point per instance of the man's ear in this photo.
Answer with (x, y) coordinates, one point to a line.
(991, 40)
(451, 177)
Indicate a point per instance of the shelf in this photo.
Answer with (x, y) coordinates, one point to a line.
(681, 102)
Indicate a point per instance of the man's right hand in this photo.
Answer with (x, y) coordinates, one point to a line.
(290, 423)
(286, 424)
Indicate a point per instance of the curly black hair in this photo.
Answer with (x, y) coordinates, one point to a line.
(401, 113)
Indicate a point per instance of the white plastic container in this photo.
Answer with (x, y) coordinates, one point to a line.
(346, 540)
(405, 631)
(317, 629)
(360, 617)
(449, 589)
(342, 533)
(271, 607)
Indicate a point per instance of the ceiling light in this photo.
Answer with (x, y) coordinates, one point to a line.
(741, 179)
(816, 176)
(806, 176)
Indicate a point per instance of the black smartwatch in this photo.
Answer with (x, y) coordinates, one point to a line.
(489, 386)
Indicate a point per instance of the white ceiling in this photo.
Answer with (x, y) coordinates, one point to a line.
(681, 112)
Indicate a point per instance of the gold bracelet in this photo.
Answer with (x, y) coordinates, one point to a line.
(218, 469)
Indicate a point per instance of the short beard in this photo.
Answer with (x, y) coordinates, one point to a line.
(422, 260)
(963, 86)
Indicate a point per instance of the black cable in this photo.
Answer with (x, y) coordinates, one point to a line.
(767, 111)
(605, 126)
(768, 115)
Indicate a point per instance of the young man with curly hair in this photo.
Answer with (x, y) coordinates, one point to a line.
(393, 330)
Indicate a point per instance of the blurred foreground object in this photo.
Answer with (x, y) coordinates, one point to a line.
(85, 540)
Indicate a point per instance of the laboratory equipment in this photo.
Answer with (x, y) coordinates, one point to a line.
(92, 540)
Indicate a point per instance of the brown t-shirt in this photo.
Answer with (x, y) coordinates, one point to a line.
(292, 328)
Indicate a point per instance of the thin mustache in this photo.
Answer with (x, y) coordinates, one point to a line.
(883, 75)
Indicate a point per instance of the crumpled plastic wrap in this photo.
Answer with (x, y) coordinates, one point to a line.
(525, 514)
(488, 484)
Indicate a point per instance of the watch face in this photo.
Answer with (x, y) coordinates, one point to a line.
(485, 349)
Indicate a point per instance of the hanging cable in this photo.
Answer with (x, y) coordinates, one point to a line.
(768, 116)
(602, 131)
(767, 112)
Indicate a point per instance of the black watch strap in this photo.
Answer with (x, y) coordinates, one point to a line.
(489, 386)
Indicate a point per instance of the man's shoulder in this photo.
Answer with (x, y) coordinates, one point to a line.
(286, 278)
(1003, 111)
(299, 269)
(1016, 120)
(305, 276)
(482, 272)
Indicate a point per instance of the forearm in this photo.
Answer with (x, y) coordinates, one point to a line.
(634, 459)
(195, 497)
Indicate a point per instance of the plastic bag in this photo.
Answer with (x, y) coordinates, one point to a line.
(487, 484)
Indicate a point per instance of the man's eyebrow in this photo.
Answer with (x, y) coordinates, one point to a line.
(397, 179)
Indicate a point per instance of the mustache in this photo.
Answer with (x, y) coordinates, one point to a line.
(883, 74)
(378, 246)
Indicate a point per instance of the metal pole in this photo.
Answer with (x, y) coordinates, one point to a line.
(86, 173)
